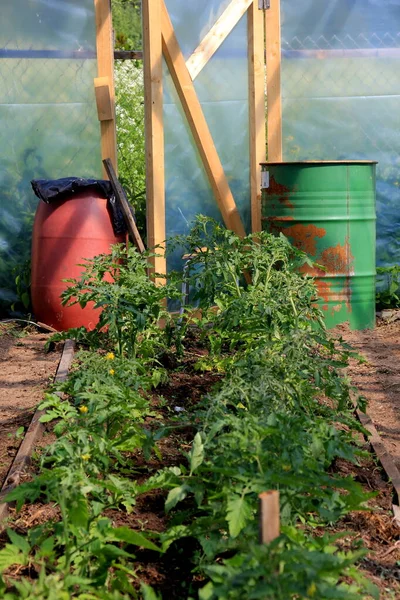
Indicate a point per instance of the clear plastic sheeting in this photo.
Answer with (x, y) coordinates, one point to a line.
(222, 88)
(48, 119)
(341, 94)
(58, 25)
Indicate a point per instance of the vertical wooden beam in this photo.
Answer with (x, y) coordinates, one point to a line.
(198, 126)
(274, 100)
(105, 62)
(154, 129)
(257, 135)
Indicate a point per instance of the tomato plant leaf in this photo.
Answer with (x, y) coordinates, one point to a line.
(197, 453)
(176, 495)
(124, 534)
(79, 514)
(148, 592)
(238, 514)
(18, 541)
(11, 555)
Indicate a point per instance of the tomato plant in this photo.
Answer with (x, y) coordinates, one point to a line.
(270, 423)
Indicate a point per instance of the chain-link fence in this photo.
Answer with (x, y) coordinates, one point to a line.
(341, 96)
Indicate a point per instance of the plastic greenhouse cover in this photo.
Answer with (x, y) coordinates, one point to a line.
(222, 88)
(341, 94)
(48, 120)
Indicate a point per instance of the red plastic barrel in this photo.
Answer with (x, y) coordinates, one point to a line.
(64, 234)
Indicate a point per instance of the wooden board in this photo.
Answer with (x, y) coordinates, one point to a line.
(384, 457)
(124, 206)
(128, 55)
(154, 131)
(217, 34)
(103, 98)
(274, 100)
(105, 62)
(257, 113)
(198, 126)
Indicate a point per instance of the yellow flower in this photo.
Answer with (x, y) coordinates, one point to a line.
(242, 406)
(110, 356)
(112, 372)
(83, 409)
(85, 456)
(311, 590)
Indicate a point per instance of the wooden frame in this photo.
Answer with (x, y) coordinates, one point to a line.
(198, 125)
(257, 134)
(154, 130)
(274, 101)
(217, 34)
(104, 84)
(160, 40)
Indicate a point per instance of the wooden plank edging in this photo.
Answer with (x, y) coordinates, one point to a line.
(384, 457)
(23, 457)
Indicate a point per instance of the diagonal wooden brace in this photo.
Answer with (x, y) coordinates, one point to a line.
(198, 125)
(217, 35)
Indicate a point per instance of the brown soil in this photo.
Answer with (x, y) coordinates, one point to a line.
(379, 377)
(26, 372)
(376, 529)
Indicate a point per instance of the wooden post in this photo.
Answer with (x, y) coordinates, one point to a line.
(124, 206)
(154, 130)
(256, 109)
(274, 100)
(104, 85)
(269, 516)
(198, 126)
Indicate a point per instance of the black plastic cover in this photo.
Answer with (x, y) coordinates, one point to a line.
(50, 190)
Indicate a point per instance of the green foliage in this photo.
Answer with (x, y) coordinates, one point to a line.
(294, 566)
(270, 424)
(127, 24)
(130, 302)
(129, 90)
(388, 294)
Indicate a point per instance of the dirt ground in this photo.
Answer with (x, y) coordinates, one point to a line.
(378, 379)
(26, 370)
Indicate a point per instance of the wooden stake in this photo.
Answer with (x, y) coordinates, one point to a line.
(256, 109)
(124, 205)
(198, 126)
(269, 516)
(154, 131)
(274, 99)
(105, 62)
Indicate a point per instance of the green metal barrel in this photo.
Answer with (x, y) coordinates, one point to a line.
(328, 210)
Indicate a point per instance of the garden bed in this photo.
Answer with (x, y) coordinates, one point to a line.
(184, 390)
(166, 437)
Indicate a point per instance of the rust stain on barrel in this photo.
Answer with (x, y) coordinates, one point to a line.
(338, 259)
(280, 190)
(305, 237)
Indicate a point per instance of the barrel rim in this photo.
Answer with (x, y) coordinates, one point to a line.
(321, 162)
